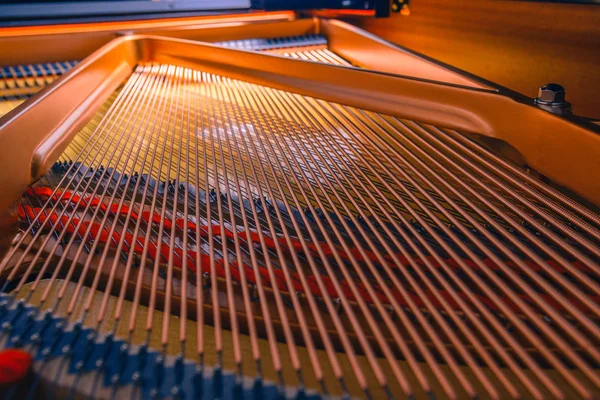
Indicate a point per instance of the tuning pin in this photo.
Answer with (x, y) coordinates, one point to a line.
(338, 304)
(171, 186)
(259, 205)
(308, 213)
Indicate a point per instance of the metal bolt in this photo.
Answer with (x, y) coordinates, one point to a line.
(553, 95)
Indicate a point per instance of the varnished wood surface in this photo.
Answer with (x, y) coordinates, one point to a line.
(517, 44)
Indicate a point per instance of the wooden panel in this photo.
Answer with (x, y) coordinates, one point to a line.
(517, 44)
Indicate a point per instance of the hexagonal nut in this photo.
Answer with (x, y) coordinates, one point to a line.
(551, 93)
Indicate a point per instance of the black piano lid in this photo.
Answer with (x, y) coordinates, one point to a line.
(39, 12)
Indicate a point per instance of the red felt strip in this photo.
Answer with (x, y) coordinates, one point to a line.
(177, 256)
(296, 244)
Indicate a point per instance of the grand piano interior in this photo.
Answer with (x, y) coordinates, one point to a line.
(263, 199)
